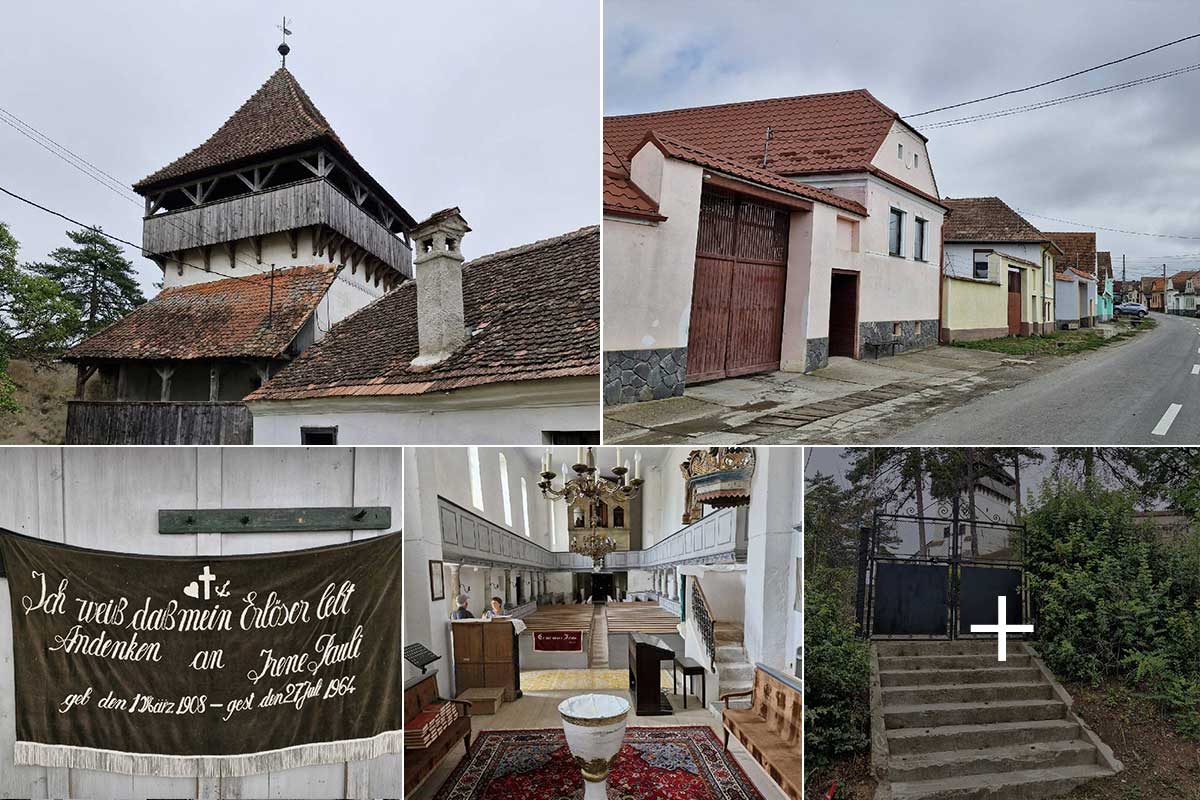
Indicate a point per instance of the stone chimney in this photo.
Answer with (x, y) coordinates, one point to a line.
(437, 265)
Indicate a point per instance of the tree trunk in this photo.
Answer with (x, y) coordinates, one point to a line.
(971, 501)
(1017, 478)
(919, 488)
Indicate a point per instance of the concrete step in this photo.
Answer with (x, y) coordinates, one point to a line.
(728, 633)
(1023, 785)
(939, 677)
(904, 741)
(730, 652)
(730, 673)
(965, 693)
(1010, 758)
(981, 647)
(893, 663)
(933, 715)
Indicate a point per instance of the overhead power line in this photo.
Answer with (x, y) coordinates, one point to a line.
(1103, 228)
(1057, 101)
(1055, 80)
(105, 233)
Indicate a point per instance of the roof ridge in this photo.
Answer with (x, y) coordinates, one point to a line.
(578, 233)
(761, 100)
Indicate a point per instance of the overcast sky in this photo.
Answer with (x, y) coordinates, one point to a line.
(491, 107)
(1128, 160)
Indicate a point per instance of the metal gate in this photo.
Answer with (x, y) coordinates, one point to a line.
(936, 576)
(736, 325)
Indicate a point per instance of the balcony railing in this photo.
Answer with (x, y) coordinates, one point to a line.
(158, 422)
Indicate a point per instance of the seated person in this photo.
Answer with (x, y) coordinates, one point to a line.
(497, 609)
(461, 612)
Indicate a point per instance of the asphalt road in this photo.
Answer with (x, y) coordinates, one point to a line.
(1143, 391)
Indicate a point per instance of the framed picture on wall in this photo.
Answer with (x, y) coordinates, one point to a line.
(437, 581)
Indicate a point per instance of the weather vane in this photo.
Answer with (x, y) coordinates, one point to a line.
(283, 46)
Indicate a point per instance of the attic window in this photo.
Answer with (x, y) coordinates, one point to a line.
(427, 245)
(916, 160)
(900, 150)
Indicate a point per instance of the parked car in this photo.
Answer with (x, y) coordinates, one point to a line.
(1131, 309)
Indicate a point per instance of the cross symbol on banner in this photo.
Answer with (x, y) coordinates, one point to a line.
(1002, 627)
(206, 577)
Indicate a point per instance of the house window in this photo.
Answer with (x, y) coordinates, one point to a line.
(525, 505)
(981, 264)
(896, 233)
(900, 150)
(504, 494)
(916, 160)
(318, 435)
(919, 239)
(476, 478)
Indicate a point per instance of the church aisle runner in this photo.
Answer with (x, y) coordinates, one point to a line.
(660, 763)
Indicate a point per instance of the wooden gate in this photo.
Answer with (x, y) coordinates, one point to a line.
(1014, 303)
(736, 326)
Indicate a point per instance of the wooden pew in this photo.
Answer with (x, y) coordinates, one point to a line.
(770, 728)
(419, 762)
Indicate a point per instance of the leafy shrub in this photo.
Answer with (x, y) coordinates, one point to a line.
(837, 670)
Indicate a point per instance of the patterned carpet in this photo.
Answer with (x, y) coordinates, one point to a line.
(550, 680)
(660, 763)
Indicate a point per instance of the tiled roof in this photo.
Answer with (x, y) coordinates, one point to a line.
(1179, 279)
(1079, 250)
(622, 196)
(682, 151)
(278, 118)
(1104, 264)
(1071, 273)
(532, 312)
(986, 219)
(1150, 284)
(228, 318)
(837, 132)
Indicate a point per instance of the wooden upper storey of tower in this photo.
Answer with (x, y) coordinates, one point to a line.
(277, 140)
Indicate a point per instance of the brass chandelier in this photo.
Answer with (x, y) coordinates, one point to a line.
(593, 488)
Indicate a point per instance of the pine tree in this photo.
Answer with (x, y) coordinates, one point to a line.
(95, 277)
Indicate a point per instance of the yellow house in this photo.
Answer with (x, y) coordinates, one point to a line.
(997, 273)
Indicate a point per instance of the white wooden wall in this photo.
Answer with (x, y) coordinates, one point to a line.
(108, 498)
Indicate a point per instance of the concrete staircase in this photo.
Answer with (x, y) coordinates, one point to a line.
(960, 724)
(598, 646)
(735, 673)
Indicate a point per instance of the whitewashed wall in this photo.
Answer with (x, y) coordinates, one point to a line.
(109, 498)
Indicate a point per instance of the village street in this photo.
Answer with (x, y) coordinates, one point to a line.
(1119, 394)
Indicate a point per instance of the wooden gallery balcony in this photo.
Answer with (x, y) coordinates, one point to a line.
(157, 422)
(314, 203)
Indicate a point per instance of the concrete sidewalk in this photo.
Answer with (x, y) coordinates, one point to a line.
(845, 401)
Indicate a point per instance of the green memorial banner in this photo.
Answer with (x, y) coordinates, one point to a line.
(205, 666)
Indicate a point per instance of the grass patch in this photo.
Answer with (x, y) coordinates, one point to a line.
(1060, 343)
(42, 394)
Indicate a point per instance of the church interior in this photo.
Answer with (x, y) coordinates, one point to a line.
(658, 585)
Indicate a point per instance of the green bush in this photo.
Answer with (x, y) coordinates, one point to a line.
(837, 671)
(1113, 598)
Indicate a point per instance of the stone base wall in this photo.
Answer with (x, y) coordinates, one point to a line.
(909, 338)
(974, 334)
(635, 376)
(818, 353)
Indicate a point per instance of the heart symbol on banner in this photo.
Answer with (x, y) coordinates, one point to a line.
(192, 589)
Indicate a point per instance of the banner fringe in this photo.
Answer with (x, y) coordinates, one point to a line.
(230, 766)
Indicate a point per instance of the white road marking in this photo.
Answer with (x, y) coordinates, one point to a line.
(1196, 369)
(1164, 424)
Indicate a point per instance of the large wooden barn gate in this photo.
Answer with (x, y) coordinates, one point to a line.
(736, 325)
(938, 591)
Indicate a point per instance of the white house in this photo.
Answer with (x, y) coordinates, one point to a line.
(504, 348)
(757, 236)
(1074, 299)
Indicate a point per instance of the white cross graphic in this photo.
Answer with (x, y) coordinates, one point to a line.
(1002, 627)
(206, 577)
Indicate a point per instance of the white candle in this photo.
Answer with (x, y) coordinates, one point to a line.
(578, 455)
(618, 456)
(637, 464)
(627, 466)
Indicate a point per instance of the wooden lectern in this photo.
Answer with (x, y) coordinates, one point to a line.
(486, 656)
(646, 654)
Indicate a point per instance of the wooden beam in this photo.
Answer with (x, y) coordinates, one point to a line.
(316, 237)
(262, 183)
(178, 255)
(257, 240)
(214, 382)
(165, 372)
(294, 240)
(273, 520)
(207, 251)
(193, 196)
(251, 184)
(231, 251)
